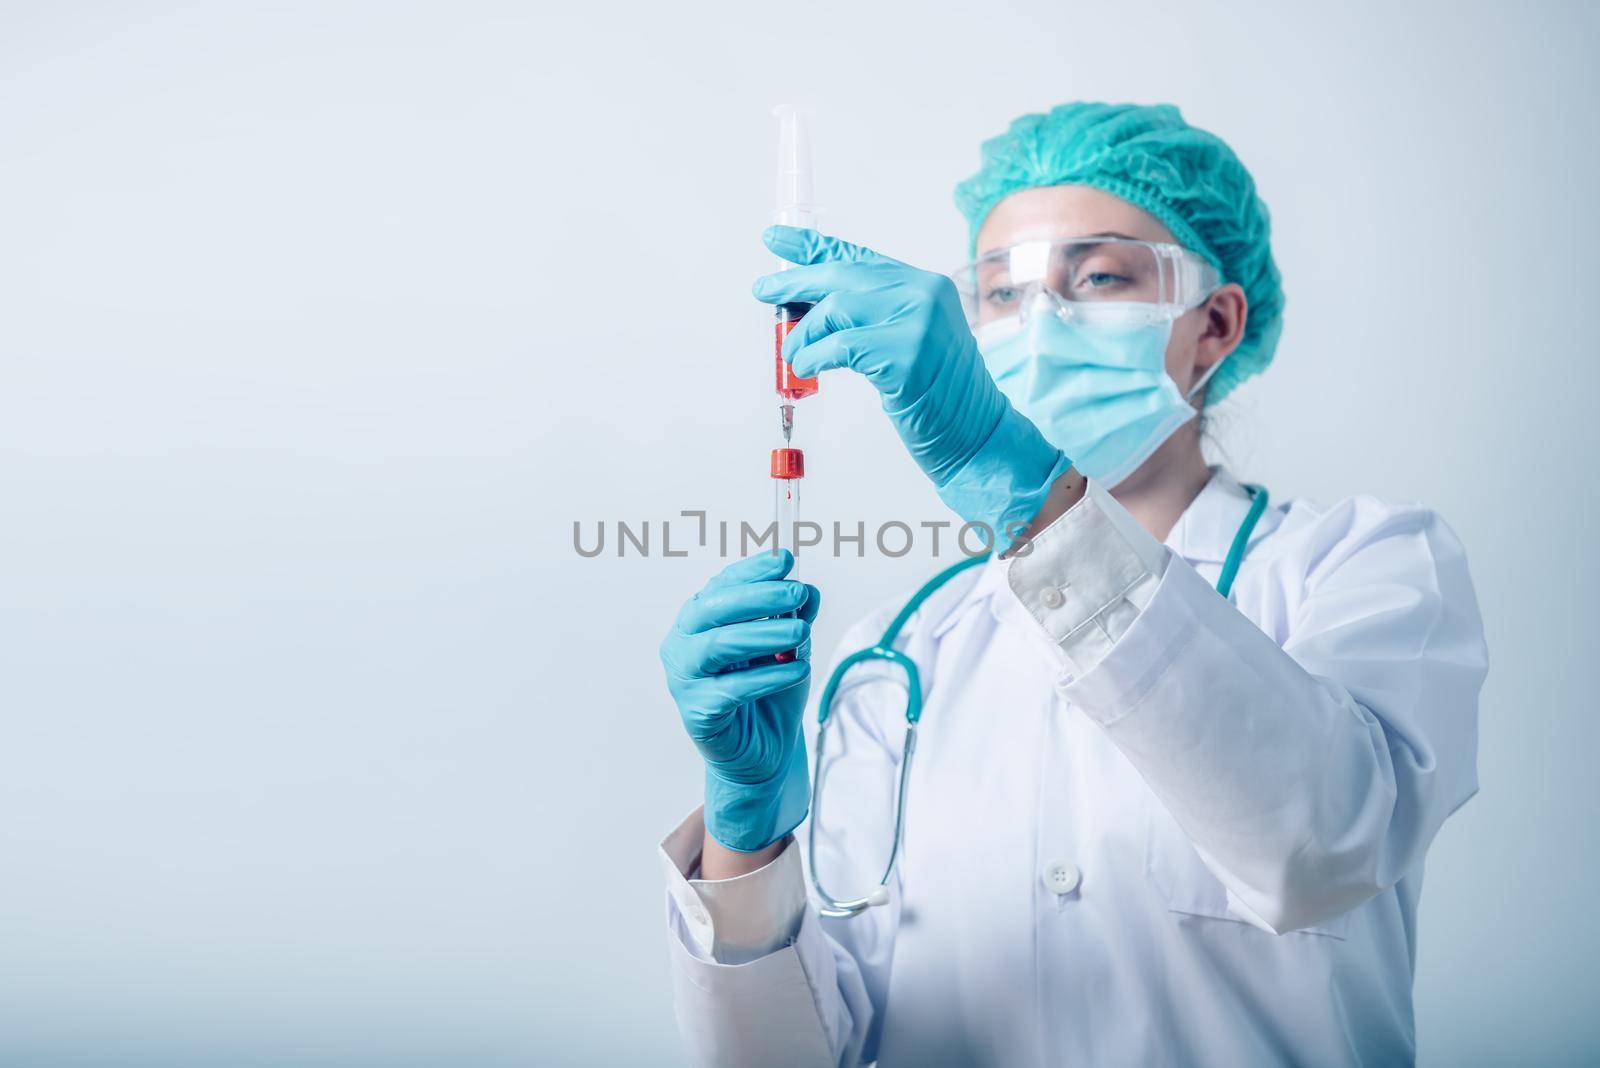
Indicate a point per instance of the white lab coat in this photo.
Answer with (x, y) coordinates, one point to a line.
(1145, 826)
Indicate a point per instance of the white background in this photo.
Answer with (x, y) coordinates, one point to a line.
(320, 325)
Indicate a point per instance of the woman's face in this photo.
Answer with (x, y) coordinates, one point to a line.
(1200, 337)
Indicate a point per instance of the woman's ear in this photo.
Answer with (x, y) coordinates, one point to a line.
(1224, 315)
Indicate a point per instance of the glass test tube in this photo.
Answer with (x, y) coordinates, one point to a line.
(788, 470)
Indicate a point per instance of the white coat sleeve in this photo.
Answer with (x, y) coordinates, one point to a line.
(759, 977)
(755, 981)
(1311, 775)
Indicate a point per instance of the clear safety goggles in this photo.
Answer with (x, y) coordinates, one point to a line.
(1076, 274)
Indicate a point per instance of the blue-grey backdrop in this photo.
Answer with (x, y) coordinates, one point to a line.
(320, 324)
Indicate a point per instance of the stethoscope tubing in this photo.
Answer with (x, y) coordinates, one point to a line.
(883, 649)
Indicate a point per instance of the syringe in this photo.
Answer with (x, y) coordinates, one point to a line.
(795, 207)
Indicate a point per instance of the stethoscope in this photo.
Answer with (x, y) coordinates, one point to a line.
(884, 650)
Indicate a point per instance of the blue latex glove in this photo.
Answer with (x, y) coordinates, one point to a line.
(904, 329)
(745, 719)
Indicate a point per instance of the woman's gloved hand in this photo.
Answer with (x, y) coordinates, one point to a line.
(744, 717)
(904, 329)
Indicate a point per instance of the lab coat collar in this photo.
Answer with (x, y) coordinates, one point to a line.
(990, 581)
(1205, 530)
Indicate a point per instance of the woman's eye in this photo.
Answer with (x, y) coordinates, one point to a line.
(1102, 280)
(1000, 295)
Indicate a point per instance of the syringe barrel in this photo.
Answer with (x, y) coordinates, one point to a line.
(794, 199)
(789, 386)
(795, 206)
(803, 216)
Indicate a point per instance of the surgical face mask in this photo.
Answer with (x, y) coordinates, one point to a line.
(1094, 382)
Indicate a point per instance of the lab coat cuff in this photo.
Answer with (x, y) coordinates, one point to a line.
(1145, 652)
(764, 1011)
(1086, 577)
(731, 921)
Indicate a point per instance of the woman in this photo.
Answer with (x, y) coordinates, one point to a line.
(1146, 824)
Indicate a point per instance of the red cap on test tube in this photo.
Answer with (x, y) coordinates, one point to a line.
(788, 463)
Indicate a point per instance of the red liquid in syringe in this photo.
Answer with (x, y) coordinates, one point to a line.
(790, 386)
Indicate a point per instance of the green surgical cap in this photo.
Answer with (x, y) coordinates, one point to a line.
(1150, 157)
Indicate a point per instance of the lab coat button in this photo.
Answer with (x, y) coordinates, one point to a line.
(1060, 877)
(1052, 598)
